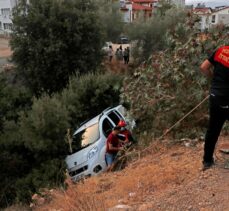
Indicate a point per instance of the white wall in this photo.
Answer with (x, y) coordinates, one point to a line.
(205, 22)
(221, 16)
(6, 7)
(127, 14)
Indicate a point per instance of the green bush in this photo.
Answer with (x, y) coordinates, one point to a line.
(111, 19)
(89, 95)
(34, 148)
(33, 151)
(53, 40)
(43, 128)
(150, 36)
(171, 85)
(49, 174)
(13, 99)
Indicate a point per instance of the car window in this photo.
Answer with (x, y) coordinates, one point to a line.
(114, 117)
(107, 127)
(120, 117)
(85, 138)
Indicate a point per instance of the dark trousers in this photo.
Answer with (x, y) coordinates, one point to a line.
(219, 113)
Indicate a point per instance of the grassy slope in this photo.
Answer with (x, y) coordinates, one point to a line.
(167, 177)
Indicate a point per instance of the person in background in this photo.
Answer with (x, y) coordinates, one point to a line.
(113, 146)
(125, 55)
(119, 53)
(110, 53)
(128, 55)
(219, 99)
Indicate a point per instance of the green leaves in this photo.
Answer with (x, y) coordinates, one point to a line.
(35, 143)
(171, 85)
(44, 127)
(89, 95)
(152, 35)
(54, 40)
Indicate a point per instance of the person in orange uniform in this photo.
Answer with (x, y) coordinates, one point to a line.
(216, 67)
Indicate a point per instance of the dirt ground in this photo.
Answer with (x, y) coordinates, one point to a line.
(168, 177)
(5, 50)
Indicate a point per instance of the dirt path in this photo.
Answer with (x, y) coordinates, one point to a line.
(167, 178)
(5, 50)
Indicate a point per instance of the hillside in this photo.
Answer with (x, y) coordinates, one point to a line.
(167, 177)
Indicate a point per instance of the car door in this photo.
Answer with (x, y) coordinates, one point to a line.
(106, 126)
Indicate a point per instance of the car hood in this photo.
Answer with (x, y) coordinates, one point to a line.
(78, 158)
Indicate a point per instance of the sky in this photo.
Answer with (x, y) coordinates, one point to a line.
(209, 3)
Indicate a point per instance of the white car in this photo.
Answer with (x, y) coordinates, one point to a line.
(89, 144)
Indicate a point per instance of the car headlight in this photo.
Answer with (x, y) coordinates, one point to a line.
(92, 152)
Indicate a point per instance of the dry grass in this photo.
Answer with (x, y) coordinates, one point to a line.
(165, 177)
(152, 174)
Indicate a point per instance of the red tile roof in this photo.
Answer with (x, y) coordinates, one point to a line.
(144, 1)
(202, 10)
(140, 7)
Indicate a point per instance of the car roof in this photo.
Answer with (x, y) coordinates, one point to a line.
(95, 120)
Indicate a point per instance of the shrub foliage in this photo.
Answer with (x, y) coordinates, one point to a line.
(34, 148)
(53, 40)
(150, 36)
(171, 84)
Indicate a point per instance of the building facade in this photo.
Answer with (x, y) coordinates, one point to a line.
(205, 17)
(220, 16)
(133, 9)
(210, 18)
(6, 7)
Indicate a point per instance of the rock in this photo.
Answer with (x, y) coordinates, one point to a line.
(122, 201)
(226, 151)
(190, 208)
(187, 144)
(131, 194)
(144, 207)
(121, 207)
(40, 201)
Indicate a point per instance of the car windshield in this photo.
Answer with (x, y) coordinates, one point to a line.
(85, 138)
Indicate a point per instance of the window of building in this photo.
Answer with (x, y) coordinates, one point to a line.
(213, 19)
(7, 26)
(5, 12)
(0, 25)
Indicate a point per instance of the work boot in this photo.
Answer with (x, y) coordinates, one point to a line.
(207, 165)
